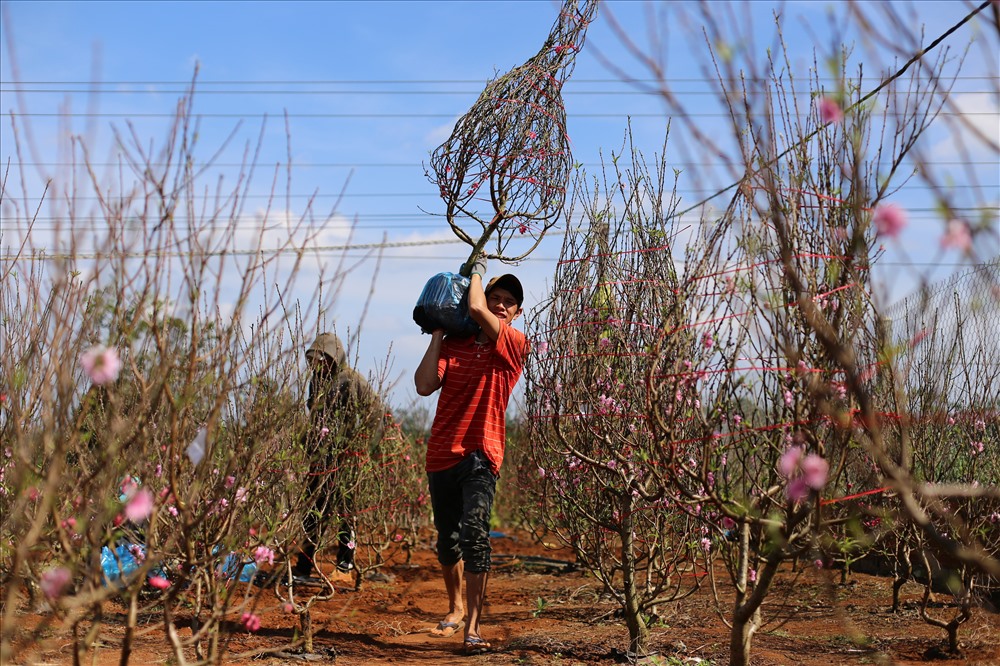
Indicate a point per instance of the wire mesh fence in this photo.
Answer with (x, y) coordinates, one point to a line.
(946, 337)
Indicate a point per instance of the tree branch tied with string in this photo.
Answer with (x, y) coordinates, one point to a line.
(505, 167)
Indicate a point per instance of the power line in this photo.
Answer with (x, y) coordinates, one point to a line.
(37, 255)
(205, 82)
(410, 165)
(307, 196)
(400, 115)
(917, 56)
(79, 219)
(583, 115)
(566, 93)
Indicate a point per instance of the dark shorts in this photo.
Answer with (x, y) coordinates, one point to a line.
(462, 499)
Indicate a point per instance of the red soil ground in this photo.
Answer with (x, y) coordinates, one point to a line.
(546, 616)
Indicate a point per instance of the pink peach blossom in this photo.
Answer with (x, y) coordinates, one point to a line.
(250, 622)
(263, 554)
(804, 472)
(140, 506)
(101, 364)
(789, 461)
(797, 489)
(815, 469)
(957, 235)
(829, 110)
(54, 582)
(159, 582)
(889, 220)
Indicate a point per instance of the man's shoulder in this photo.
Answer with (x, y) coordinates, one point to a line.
(352, 381)
(517, 333)
(515, 337)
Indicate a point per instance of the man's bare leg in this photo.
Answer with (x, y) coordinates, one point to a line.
(475, 597)
(456, 608)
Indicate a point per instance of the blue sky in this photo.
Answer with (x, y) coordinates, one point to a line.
(370, 89)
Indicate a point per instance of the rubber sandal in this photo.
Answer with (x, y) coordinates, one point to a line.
(447, 629)
(476, 645)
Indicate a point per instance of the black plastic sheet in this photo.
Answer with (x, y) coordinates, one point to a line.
(444, 303)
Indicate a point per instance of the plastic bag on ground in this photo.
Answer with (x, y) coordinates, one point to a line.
(234, 566)
(121, 563)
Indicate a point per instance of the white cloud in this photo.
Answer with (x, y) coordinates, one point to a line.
(980, 118)
(439, 134)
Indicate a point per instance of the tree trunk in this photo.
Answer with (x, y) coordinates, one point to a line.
(133, 614)
(638, 632)
(903, 570)
(897, 585)
(741, 637)
(953, 637)
(305, 621)
(746, 611)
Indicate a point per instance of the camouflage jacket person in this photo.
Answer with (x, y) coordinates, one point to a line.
(345, 424)
(339, 400)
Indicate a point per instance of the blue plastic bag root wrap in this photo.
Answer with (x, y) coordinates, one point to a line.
(444, 303)
(121, 564)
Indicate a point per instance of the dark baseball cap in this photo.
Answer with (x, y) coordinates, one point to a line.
(508, 282)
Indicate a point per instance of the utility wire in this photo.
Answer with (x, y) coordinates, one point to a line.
(413, 165)
(411, 115)
(568, 93)
(80, 221)
(690, 209)
(265, 82)
(354, 247)
(917, 56)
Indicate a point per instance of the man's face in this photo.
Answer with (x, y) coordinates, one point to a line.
(503, 304)
(322, 364)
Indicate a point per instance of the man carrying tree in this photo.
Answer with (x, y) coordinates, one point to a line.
(476, 375)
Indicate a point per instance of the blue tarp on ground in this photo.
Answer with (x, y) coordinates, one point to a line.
(121, 564)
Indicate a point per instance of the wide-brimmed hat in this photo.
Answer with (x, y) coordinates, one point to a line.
(508, 282)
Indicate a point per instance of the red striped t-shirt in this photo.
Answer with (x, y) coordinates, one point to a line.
(477, 380)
